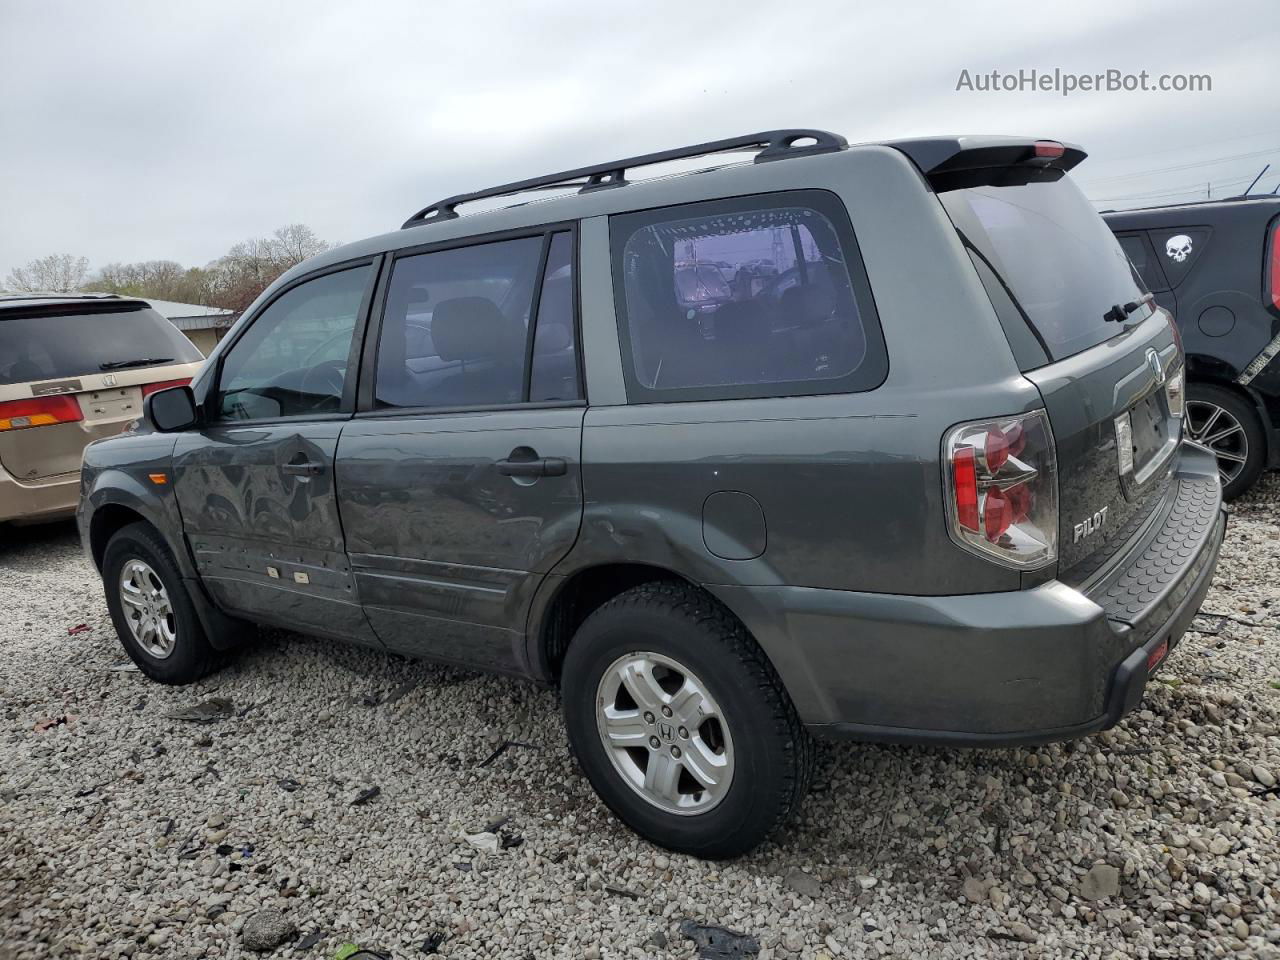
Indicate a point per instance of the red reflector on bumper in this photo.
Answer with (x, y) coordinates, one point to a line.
(1156, 655)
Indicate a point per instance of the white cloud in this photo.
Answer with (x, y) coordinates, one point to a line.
(145, 130)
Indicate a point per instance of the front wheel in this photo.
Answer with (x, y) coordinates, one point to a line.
(681, 724)
(150, 609)
(1227, 424)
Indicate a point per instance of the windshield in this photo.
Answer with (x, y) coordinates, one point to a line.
(1056, 255)
(49, 346)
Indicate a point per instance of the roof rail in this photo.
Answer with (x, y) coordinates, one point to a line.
(773, 145)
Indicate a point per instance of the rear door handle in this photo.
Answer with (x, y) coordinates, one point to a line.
(539, 467)
(308, 468)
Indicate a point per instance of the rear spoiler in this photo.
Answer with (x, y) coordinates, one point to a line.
(951, 163)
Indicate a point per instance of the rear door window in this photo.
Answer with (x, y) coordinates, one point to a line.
(456, 330)
(1062, 263)
(748, 297)
(44, 345)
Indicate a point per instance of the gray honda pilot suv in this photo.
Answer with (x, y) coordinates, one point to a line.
(879, 441)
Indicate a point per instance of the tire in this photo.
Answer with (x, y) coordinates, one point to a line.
(137, 553)
(1217, 407)
(693, 644)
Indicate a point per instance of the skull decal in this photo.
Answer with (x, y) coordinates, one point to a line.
(1178, 248)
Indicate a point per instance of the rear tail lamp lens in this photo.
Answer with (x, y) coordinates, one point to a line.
(1002, 489)
(1049, 149)
(1275, 265)
(39, 412)
(164, 385)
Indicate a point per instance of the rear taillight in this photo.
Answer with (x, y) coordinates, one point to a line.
(1002, 489)
(39, 412)
(1275, 266)
(150, 388)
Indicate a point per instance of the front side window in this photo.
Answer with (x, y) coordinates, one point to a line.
(455, 331)
(292, 361)
(749, 297)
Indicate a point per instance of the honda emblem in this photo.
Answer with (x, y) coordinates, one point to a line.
(1157, 368)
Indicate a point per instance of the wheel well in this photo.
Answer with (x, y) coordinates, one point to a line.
(106, 521)
(1212, 378)
(583, 593)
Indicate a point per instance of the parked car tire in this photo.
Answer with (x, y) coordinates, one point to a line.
(150, 609)
(1228, 425)
(681, 723)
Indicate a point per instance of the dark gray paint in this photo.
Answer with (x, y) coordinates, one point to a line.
(245, 513)
(447, 552)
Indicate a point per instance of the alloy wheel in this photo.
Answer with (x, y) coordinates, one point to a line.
(1215, 428)
(147, 609)
(664, 733)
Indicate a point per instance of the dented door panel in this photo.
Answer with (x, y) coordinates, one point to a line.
(261, 516)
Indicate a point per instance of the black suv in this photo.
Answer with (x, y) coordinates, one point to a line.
(1216, 268)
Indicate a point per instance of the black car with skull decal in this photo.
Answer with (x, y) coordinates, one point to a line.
(1216, 267)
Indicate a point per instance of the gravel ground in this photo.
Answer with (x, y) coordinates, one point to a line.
(126, 833)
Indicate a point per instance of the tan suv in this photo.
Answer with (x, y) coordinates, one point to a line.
(74, 369)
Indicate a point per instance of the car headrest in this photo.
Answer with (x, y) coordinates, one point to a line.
(807, 305)
(473, 328)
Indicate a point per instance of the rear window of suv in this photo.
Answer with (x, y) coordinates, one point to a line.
(1060, 260)
(43, 345)
(757, 296)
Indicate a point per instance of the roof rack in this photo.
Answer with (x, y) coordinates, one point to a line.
(773, 145)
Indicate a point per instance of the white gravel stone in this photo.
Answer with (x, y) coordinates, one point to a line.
(126, 834)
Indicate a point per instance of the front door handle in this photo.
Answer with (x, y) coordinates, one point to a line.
(308, 468)
(535, 467)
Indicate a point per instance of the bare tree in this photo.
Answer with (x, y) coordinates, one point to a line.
(161, 279)
(236, 279)
(56, 273)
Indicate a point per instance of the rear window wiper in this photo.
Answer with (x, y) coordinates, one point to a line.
(140, 362)
(1120, 313)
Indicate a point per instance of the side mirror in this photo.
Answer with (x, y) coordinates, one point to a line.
(170, 410)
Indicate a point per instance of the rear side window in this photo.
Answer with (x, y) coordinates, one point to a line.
(1060, 260)
(749, 297)
(46, 346)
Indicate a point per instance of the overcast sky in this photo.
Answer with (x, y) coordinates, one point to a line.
(132, 131)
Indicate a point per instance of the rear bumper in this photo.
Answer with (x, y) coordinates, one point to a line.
(50, 499)
(1048, 663)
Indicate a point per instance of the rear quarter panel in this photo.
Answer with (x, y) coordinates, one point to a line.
(849, 484)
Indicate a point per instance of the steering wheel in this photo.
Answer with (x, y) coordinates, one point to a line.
(325, 381)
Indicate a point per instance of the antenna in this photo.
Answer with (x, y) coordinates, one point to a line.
(1256, 179)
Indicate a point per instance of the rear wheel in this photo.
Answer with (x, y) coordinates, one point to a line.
(150, 609)
(681, 724)
(1226, 423)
